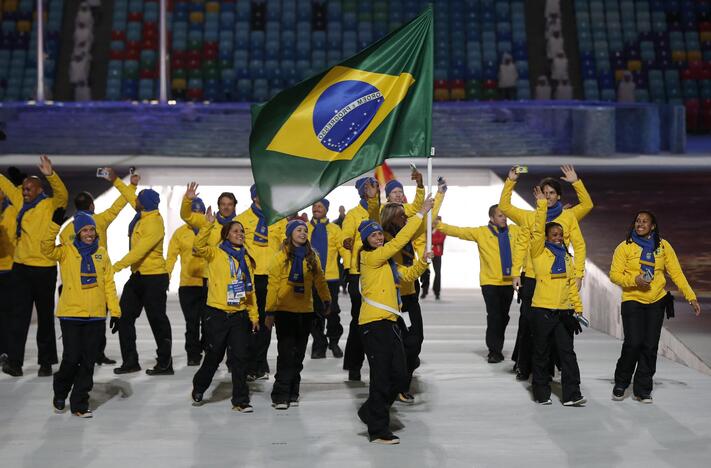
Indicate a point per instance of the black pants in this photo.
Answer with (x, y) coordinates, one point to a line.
(413, 337)
(437, 283)
(292, 330)
(32, 286)
(5, 310)
(259, 343)
(508, 94)
(425, 282)
(354, 356)
(102, 342)
(332, 323)
(81, 340)
(192, 303)
(149, 292)
(547, 330)
(642, 324)
(498, 302)
(388, 373)
(523, 349)
(225, 332)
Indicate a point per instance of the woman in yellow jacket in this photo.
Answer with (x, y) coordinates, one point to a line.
(554, 308)
(8, 213)
(294, 272)
(381, 334)
(639, 265)
(231, 312)
(89, 288)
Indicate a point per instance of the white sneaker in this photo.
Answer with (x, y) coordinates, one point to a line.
(646, 399)
(406, 398)
(281, 405)
(84, 415)
(579, 401)
(294, 403)
(243, 408)
(546, 403)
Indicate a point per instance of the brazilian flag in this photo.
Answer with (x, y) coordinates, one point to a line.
(345, 121)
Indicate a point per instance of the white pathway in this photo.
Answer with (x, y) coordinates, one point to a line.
(468, 413)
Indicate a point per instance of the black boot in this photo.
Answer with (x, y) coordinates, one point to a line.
(161, 370)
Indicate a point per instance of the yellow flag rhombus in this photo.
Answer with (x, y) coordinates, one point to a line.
(340, 113)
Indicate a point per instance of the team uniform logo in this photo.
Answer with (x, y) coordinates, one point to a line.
(338, 116)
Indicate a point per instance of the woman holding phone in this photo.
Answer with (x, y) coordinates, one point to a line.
(638, 266)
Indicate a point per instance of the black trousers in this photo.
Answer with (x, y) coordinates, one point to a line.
(5, 310)
(425, 281)
(354, 355)
(145, 292)
(292, 330)
(192, 303)
(642, 324)
(225, 332)
(32, 286)
(388, 373)
(413, 337)
(259, 342)
(548, 329)
(437, 283)
(102, 342)
(81, 340)
(523, 349)
(332, 323)
(498, 302)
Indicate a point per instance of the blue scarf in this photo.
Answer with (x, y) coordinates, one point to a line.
(5, 204)
(364, 203)
(558, 269)
(239, 255)
(224, 220)
(296, 274)
(646, 259)
(132, 226)
(88, 269)
(319, 240)
(408, 255)
(396, 278)
(553, 212)
(502, 234)
(261, 234)
(26, 206)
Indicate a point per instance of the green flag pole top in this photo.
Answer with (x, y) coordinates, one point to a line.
(345, 121)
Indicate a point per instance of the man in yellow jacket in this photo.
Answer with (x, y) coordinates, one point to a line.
(8, 213)
(256, 232)
(84, 203)
(191, 292)
(523, 274)
(89, 290)
(148, 285)
(325, 239)
(34, 276)
(495, 242)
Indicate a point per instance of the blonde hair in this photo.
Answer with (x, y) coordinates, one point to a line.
(388, 215)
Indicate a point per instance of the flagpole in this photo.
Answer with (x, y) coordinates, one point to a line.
(429, 192)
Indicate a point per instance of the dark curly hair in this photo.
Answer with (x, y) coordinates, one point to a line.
(656, 234)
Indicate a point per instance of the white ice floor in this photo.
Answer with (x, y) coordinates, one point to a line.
(468, 413)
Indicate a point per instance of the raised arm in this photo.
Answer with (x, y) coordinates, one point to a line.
(381, 255)
(47, 246)
(468, 233)
(14, 194)
(578, 242)
(113, 211)
(201, 243)
(60, 195)
(538, 236)
(411, 209)
(194, 220)
(585, 203)
(127, 193)
(411, 273)
(521, 246)
(517, 215)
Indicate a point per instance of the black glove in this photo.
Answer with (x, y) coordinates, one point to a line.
(571, 323)
(113, 324)
(669, 305)
(58, 216)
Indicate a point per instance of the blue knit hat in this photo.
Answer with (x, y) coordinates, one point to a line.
(293, 224)
(150, 199)
(325, 203)
(253, 191)
(360, 185)
(82, 219)
(366, 228)
(198, 205)
(392, 185)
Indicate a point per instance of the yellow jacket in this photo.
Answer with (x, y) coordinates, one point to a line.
(8, 221)
(490, 273)
(76, 301)
(261, 252)
(526, 218)
(35, 221)
(551, 293)
(335, 248)
(103, 220)
(376, 278)
(146, 253)
(349, 229)
(192, 268)
(280, 294)
(219, 276)
(419, 241)
(626, 267)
